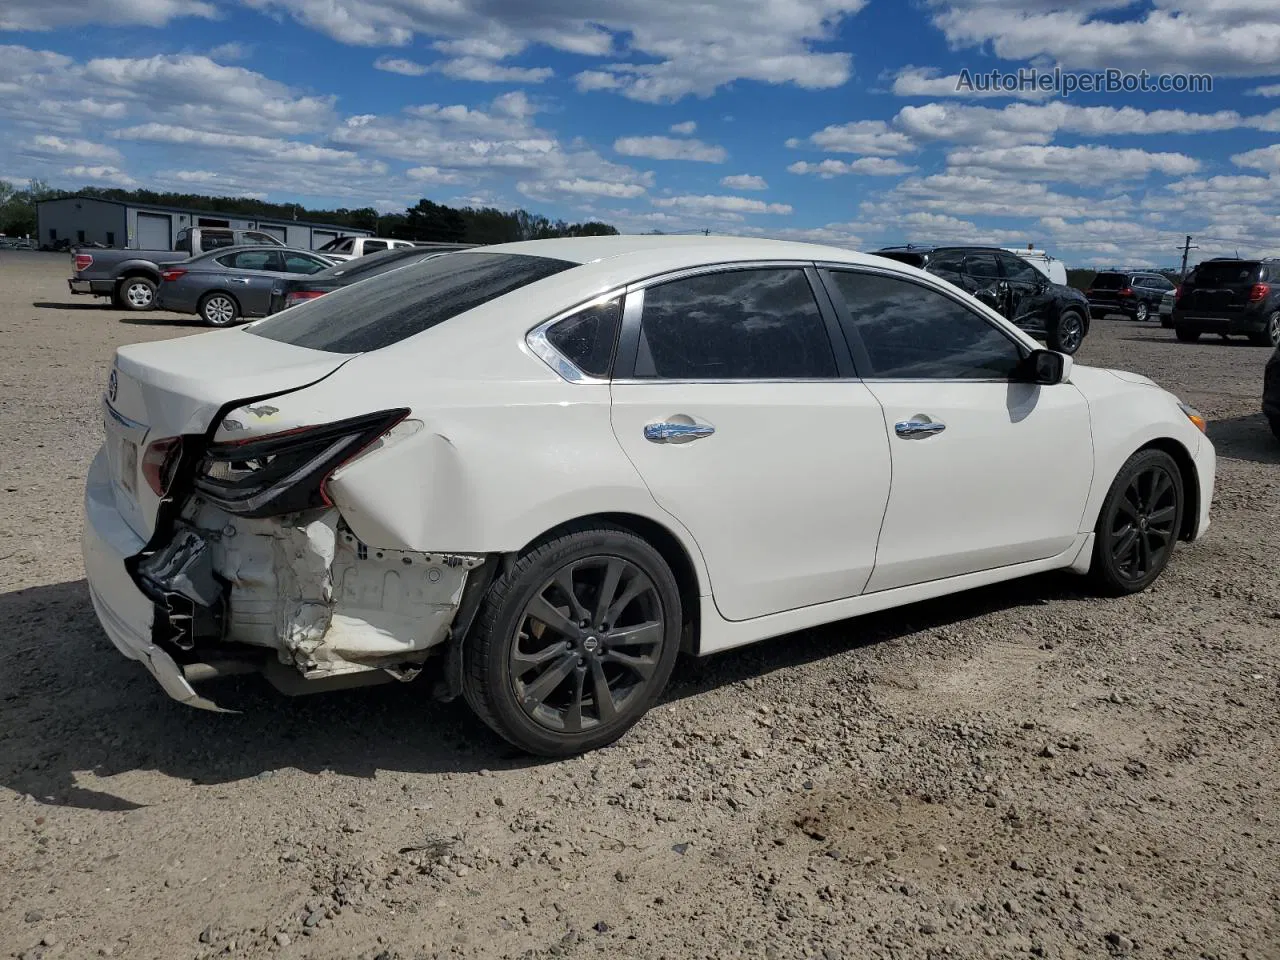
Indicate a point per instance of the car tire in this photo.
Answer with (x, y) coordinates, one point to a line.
(1068, 333)
(136, 294)
(1138, 525)
(541, 684)
(1142, 313)
(218, 309)
(1186, 334)
(1269, 335)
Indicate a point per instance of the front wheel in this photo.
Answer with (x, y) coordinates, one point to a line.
(1068, 333)
(218, 309)
(1139, 523)
(1186, 334)
(136, 293)
(574, 643)
(1269, 335)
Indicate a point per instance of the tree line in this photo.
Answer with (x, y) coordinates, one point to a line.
(425, 220)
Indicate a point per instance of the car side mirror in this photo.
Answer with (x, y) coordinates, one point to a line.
(1045, 367)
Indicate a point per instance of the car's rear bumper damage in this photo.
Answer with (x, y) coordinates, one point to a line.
(296, 597)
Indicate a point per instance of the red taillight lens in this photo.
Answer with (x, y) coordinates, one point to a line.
(158, 462)
(171, 275)
(1126, 292)
(83, 262)
(302, 296)
(1177, 291)
(1260, 291)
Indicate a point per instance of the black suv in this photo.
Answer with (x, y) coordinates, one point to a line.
(1230, 296)
(1136, 295)
(1009, 285)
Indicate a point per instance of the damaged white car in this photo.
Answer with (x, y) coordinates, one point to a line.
(537, 472)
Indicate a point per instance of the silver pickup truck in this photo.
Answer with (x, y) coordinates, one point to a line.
(130, 277)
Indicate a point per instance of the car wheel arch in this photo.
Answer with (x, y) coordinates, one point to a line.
(1190, 482)
(670, 546)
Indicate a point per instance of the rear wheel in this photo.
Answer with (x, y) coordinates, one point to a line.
(1269, 335)
(1186, 334)
(574, 643)
(1068, 333)
(1139, 523)
(218, 309)
(136, 293)
(1142, 313)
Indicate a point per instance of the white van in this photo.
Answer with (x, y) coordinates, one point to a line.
(1051, 267)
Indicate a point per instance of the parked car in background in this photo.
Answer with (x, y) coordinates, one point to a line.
(1271, 392)
(232, 284)
(1230, 297)
(130, 277)
(1166, 307)
(349, 248)
(1050, 266)
(288, 291)
(1133, 295)
(526, 470)
(1009, 285)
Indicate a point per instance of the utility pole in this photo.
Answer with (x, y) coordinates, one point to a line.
(1186, 249)
(706, 231)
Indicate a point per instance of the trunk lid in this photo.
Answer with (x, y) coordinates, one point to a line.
(174, 388)
(1219, 289)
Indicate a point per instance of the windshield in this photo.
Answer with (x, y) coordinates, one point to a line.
(1223, 273)
(387, 309)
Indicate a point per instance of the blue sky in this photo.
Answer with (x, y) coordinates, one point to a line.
(830, 120)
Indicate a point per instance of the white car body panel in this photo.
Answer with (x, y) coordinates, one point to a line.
(804, 507)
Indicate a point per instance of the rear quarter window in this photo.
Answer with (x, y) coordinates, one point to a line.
(386, 309)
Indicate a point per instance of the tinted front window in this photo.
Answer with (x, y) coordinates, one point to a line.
(950, 262)
(982, 266)
(588, 337)
(738, 325)
(1015, 268)
(400, 303)
(910, 332)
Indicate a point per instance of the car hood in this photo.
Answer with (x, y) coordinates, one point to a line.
(1129, 377)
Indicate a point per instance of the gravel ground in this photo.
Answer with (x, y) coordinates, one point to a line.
(1022, 770)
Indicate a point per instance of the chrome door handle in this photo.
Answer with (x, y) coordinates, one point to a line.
(918, 428)
(673, 432)
(238, 279)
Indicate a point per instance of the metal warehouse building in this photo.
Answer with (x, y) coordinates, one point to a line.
(145, 227)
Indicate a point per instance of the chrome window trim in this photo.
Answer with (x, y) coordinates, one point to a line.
(538, 342)
(729, 266)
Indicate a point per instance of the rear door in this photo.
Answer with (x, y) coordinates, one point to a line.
(250, 277)
(734, 398)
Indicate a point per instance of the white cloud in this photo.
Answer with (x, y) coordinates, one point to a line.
(866, 166)
(52, 14)
(407, 68)
(708, 204)
(689, 48)
(873, 138)
(930, 82)
(486, 71)
(685, 129)
(580, 186)
(1269, 90)
(1085, 164)
(112, 176)
(744, 181)
(432, 175)
(669, 148)
(229, 51)
(1265, 158)
(282, 151)
(46, 145)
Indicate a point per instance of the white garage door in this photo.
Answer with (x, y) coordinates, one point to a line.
(320, 237)
(153, 231)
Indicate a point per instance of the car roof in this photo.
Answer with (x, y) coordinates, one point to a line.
(935, 247)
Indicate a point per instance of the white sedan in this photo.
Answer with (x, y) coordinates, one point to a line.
(540, 470)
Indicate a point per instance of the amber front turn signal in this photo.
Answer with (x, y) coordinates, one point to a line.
(1195, 416)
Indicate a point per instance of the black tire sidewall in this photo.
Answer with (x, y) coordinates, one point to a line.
(1056, 339)
(1103, 566)
(486, 678)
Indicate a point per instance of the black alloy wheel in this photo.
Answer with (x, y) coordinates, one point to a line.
(1139, 524)
(1068, 333)
(575, 643)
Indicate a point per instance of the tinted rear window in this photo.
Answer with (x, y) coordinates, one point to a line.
(910, 259)
(400, 303)
(371, 265)
(1225, 273)
(1110, 281)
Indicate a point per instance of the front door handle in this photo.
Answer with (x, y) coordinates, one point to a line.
(918, 429)
(671, 431)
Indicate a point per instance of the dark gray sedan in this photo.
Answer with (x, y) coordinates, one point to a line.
(232, 284)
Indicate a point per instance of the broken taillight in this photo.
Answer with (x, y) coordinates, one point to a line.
(83, 262)
(285, 472)
(158, 463)
(172, 274)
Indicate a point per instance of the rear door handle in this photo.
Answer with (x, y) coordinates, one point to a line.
(674, 432)
(239, 279)
(918, 429)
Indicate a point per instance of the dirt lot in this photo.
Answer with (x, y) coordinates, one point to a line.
(1024, 770)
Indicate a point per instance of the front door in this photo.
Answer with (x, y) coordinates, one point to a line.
(1031, 305)
(748, 431)
(987, 471)
(251, 277)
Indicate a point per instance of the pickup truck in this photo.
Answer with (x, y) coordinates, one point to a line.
(348, 248)
(130, 277)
